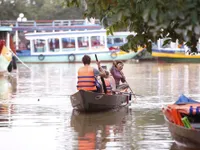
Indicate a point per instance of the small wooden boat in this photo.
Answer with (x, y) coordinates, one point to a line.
(87, 101)
(183, 121)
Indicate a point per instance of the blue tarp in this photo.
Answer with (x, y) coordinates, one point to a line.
(185, 100)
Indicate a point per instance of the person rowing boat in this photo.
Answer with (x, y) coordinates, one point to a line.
(116, 71)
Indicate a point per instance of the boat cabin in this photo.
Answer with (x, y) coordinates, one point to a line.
(52, 43)
(173, 47)
(118, 38)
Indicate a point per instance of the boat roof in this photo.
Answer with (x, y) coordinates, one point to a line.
(43, 35)
(5, 28)
(121, 34)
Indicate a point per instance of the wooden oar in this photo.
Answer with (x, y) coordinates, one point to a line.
(126, 93)
(128, 85)
(102, 79)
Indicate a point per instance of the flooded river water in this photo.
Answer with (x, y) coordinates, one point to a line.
(36, 113)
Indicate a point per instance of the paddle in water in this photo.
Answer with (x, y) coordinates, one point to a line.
(102, 79)
(128, 85)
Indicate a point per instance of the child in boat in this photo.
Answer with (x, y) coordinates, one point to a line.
(109, 82)
(116, 71)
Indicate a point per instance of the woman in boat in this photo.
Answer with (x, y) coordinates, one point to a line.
(87, 76)
(116, 71)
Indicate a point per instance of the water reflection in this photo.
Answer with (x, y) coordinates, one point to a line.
(99, 130)
(7, 89)
(179, 147)
(5, 115)
(8, 86)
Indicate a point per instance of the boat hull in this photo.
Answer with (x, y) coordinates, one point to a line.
(188, 137)
(75, 57)
(176, 57)
(86, 101)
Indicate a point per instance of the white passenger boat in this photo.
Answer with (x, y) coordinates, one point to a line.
(70, 46)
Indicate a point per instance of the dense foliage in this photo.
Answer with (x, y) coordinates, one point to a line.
(38, 10)
(150, 19)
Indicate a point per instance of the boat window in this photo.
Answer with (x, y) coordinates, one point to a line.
(109, 40)
(83, 43)
(68, 44)
(97, 42)
(39, 45)
(118, 40)
(54, 45)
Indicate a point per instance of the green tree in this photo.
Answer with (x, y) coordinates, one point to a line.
(10, 9)
(38, 10)
(150, 19)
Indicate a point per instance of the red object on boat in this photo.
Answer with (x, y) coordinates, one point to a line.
(2, 43)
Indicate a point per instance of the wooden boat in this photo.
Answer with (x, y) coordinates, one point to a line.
(183, 121)
(87, 101)
(71, 46)
(5, 54)
(174, 52)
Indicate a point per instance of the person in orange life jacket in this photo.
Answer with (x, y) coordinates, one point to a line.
(87, 76)
(116, 71)
(110, 83)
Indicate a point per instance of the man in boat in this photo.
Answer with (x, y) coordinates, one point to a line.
(116, 71)
(13, 63)
(87, 76)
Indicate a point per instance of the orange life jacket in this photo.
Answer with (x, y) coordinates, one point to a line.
(108, 86)
(86, 79)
